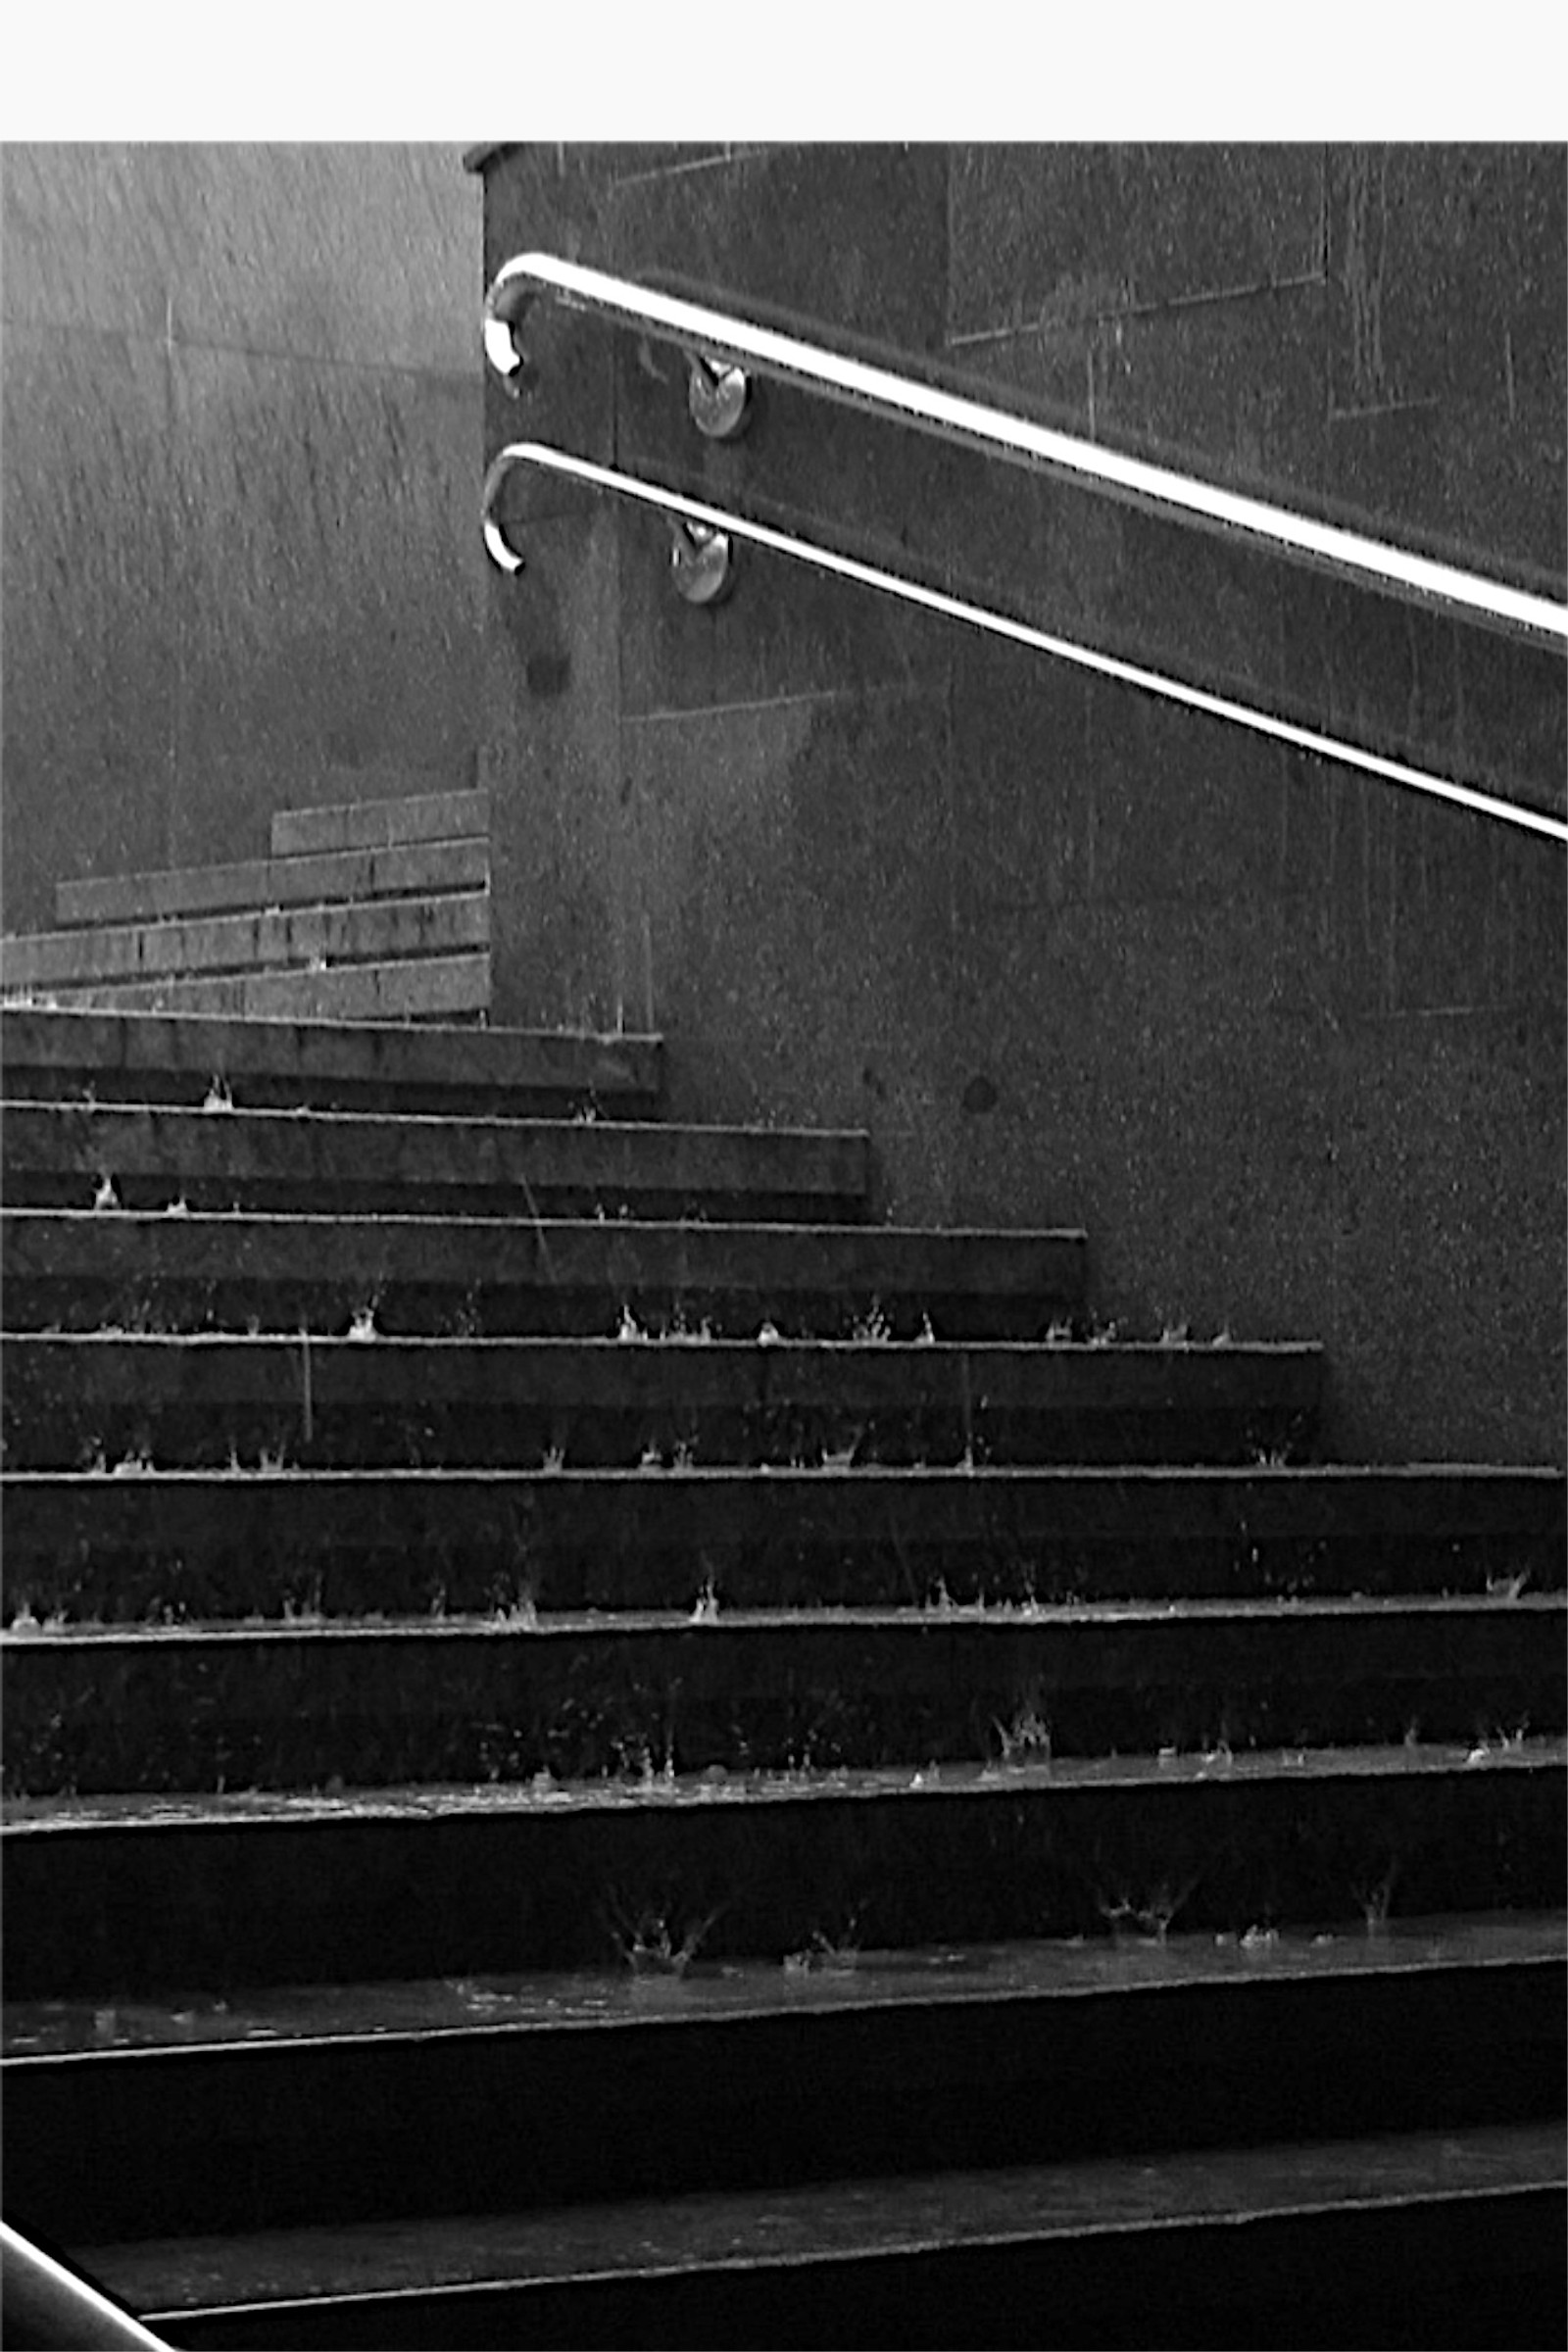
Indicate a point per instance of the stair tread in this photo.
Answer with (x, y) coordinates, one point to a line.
(28, 1031)
(1055, 1619)
(1095, 1482)
(556, 1348)
(176, 1119)
(135, 1814)
(1104, 2196)
(42, 2031)
(546, 1249)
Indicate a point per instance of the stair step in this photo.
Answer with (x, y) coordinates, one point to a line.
(454, 1699)
(71, 1269)
(294, 938)
(152, 1058)
(131, 1894)
(335, 2104)
(205, 1399)
(419, 870)
(416, 988)
(214, 1545)
(1428, 2237)
(57, 1154)
(380, 823)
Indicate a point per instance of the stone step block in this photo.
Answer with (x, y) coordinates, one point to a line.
(62, 1155)
(325, 1065)
(270, 1544)
(419, 869)
(72, 1269)
(1386, 2241)
(132, 1894)
(380, 823)
(368, 1400)
(416, 988)
(293, 937)
(520, 1695)
(336, 2103)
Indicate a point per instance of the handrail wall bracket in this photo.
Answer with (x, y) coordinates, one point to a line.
(702, 554)
(718, 397)
(701, 560)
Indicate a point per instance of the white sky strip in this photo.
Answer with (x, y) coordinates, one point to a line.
(932, 599)
(720, 336)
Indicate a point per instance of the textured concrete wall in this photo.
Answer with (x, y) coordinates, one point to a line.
(242, 440)
(1289, 1042)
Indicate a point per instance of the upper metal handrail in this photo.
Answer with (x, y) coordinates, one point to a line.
(720, 335)
(711, 519)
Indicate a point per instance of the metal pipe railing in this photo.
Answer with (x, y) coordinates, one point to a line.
(710, 519)
(720, 335)
(49, 2307)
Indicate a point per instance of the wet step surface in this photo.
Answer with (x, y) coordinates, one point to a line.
(788, 2263)
(200, 1397)
(152, 1058)
(65, 1155)
(815, 1979)
(83, 1271)
(128, 1893)
(210, 1543)
(366, 2100)
(518, 1695)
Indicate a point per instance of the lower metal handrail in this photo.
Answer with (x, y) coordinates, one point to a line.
(717, 519)
(51, 2308)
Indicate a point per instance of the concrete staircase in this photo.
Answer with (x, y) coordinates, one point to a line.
(375, 910)
(603, 1750)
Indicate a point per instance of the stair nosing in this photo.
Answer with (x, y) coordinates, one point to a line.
(428, 1804)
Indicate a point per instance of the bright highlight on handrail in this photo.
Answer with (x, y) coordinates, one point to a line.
(720, 336)
(47, 2304)
(996, 624)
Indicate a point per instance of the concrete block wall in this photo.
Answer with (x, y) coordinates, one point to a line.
(239, 458)
(1291, 1044)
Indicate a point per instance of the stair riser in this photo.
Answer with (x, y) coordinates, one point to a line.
(349, 1891)
(273, 2136)
(1485, 2270)
(292, 938)
(269, 884)
(420, 988)
(282, 1711)
(148, 1057)
(85, 1272)
(339, 1402)
(130, 1549)
(56, 1155)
